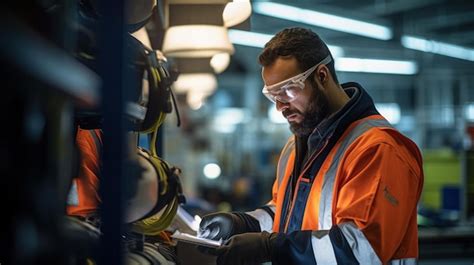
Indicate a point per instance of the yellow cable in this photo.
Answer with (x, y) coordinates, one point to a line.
(158, 222)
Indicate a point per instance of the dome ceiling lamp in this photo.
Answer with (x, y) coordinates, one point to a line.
(196, 86)
(196, 30)
(236, 12)
(195, 41)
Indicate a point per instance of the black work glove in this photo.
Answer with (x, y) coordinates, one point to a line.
(247, 248)
(224, 225)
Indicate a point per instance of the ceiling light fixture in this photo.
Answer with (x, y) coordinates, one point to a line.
(437, 47)
(219, 62)
(469, 112)
(324, 20)
(212, 171)
(236, 12)
(196, 86)
(258, 40)
(203, 82)
(390, 111)
(194, 41)
(376, 66)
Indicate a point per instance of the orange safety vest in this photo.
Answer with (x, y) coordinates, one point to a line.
(368, 185)
(83, 198)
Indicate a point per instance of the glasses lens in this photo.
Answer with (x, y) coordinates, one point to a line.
(284, 94)
(268, 95)
(291, 90)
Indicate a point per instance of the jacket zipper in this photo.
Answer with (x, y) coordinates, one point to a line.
(305, 168)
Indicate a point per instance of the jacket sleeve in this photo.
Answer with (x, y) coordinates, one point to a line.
(375, 205)
(385, 182)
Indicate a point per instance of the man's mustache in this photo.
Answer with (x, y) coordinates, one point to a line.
(288, 112)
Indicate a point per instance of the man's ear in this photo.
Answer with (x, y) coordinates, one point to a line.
(321, 75)
(324, 74)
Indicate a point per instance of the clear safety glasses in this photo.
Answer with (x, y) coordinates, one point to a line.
(287, 90)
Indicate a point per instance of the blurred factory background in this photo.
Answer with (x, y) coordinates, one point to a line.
(414, 57)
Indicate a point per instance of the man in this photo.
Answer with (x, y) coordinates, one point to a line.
(347, 182)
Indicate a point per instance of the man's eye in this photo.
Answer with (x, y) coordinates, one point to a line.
(291, 87)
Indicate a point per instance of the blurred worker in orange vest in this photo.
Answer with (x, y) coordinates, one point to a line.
(83, 199)
(347, 182)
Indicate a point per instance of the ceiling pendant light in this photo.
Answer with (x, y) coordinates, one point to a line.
(236, 12)
(194, 41)
(219, 62)
(204, 82)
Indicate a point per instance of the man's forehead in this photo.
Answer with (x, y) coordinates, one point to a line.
(281, 69)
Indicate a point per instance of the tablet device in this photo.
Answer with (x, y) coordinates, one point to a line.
(196, 240)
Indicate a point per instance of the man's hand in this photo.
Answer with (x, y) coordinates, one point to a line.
(248, 248)
(224, 225)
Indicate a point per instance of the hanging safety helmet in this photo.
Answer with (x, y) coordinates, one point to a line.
(151, 75)
(158, 188)
(157, 87)
(137, 12)
(169, 193)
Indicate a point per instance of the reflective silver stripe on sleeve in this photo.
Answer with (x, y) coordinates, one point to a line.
(325, 202)
(73, 195)
(98, 143)
(283, 161)
(363, 251)
(265, 220)
(408, 261)
(322, 247)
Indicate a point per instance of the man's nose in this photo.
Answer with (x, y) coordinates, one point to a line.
(281, 106)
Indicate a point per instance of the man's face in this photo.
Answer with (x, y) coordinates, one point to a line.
(308, 108)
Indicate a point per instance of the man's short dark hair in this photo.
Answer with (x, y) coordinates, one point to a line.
(302, 44)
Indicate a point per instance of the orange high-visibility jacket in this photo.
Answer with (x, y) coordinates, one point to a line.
(355, 199)
(83, 198)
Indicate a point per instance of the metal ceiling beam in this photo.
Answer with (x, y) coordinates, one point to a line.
(384, 8)
(442, 21)
(465, 37)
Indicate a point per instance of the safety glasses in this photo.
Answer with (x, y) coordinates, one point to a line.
(288, 90)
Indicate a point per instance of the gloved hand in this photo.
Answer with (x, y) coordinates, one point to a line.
(224, 225)
(247, 248)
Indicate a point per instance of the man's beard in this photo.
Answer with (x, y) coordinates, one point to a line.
(317, 111)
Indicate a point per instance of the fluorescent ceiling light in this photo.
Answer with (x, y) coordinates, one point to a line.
(442, 48)
(324, 20)
(230, 116)
(391, 111)
(226, 119)
(258, 40)
(376, 66)
(247, 38)
(469, 112)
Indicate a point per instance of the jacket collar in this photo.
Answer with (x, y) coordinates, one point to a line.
(359, 106)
